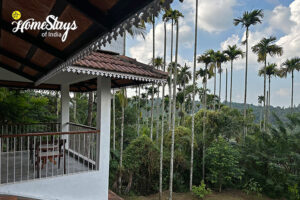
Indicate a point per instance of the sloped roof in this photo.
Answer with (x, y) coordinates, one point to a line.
(112, 62)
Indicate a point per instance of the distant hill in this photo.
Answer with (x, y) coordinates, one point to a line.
(279, 111)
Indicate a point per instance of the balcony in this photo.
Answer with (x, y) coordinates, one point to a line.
(37, 151)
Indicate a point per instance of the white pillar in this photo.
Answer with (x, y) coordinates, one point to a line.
(65, 107)
(103, 124)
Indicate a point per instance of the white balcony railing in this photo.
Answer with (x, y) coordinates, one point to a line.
(31, 151)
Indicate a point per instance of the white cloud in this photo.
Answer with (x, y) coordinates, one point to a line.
(143, 50)
(286, 19)
(279, 19)
(283, 92)
(213, 15)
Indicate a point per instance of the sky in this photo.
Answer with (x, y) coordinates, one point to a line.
(216, 31)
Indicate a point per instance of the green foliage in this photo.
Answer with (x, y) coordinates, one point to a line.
(294, 192)
(223, 163)
(26, 107)
(141, 157)
(253, 187)
(201, 191)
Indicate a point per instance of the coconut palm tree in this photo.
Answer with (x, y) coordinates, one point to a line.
(264, 48)
(248, 19)
(270, 70)
(176, 17)
(193, 96)
(233, 53)
(206, 59)
(289, 66)
(122, 96)
(162, 117)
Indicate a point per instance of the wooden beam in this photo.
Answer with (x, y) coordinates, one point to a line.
(21, 60)
(13, 70)
(91, 12)
(34, 41)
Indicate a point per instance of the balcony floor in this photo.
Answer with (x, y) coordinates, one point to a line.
(9, 175)
(87, 186)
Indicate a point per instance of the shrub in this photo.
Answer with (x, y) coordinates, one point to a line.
(294, 192)
(253, 187)
(200, 191)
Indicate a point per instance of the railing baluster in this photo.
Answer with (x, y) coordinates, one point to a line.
(40, 158)
(28, 156)
(15, 158)
(47, 157)
(53, 159)
(21, 158)
(34, 156)
(7, 159)
(84, 153)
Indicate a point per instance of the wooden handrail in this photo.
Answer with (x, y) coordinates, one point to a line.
(38, 123)
(81, 125)
(50, 133)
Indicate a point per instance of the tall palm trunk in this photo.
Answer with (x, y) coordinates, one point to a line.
(204, 127)
(162, 117)
(152, 95)
(220, 86)
(121, 143)
(292, 99)
(193, 106)
(226, 87)
(260, 122)
(139, 111)
(114, 120)
(170, 77)
(174, 115)
(269, 101)
(157, 113)
(265, 87)
(246, 76)
(215, 83)
(231, 68)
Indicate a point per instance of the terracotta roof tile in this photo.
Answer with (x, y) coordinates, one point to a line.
(109, 61)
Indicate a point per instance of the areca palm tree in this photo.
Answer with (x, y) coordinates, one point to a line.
(122, 96)
(206, 59)
(288, 67)
(233, 53)
(213, 66)
(163, 117)
(193, 96)
(270, 70)
(264, 48)
(158, 63)
(248, 19)
(176, 17)
(220, 58)
(169, 16)
(184, 76)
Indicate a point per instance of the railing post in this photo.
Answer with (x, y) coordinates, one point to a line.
(103, 124)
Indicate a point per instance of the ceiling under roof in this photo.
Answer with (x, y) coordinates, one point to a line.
(32, 56)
